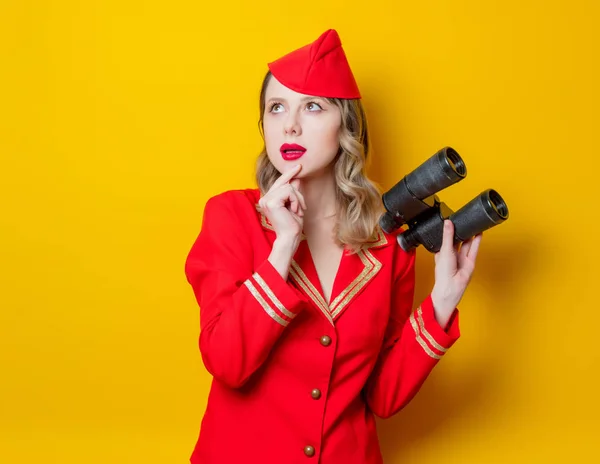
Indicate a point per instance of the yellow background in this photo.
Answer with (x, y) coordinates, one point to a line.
(120, 118)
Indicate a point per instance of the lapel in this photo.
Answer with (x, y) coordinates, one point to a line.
(354, 274)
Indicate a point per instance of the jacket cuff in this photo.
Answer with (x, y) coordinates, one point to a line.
(445, 338)
(434, 340)
(279, 298)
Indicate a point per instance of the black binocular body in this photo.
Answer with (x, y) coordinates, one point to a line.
(413, 201)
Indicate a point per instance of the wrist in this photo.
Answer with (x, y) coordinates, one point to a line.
(287, 243)
(281, 255)
(442, 307)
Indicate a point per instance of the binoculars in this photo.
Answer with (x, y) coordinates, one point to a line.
(413, 201)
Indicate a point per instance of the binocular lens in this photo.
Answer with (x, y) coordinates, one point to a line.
(456, 162)
(498, 204)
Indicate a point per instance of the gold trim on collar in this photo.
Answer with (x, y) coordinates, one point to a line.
(380, 241)
(371, 267)
(303, 281)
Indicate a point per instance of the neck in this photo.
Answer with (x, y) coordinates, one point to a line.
(320, 195)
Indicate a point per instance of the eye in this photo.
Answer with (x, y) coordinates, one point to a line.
(273, 106)
(315, 104)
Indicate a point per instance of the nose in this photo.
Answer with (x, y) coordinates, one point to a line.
(292, 125)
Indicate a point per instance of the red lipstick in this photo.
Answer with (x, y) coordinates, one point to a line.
(291, 151)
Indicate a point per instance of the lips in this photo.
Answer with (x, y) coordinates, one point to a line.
(291, 151)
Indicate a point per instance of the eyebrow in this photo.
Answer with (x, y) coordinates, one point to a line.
(303, 99)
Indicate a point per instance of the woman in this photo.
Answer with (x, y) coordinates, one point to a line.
(305, 303)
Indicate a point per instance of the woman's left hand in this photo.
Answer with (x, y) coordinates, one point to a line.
(453, 271)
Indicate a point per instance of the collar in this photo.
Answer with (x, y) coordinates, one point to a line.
(355, 272)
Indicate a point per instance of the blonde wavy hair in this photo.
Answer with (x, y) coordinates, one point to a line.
(358, 198)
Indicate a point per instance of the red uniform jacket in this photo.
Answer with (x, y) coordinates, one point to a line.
(295, 379)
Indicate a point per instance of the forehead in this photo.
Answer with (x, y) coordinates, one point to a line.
(276, 89)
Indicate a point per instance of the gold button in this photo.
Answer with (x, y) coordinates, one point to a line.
(309, 451)
(325, 340)
(316, 393)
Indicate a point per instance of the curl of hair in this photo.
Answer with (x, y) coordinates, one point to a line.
(358, 198)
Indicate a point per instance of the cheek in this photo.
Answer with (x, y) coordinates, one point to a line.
(271, 140)
(269, 129)
(328, 136)
(272, 143)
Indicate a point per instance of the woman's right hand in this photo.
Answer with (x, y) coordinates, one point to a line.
(284, 206)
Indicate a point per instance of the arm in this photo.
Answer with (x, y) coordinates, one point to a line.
(243, 311)
(413, 345)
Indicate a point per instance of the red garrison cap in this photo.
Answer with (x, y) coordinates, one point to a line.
(320, 68)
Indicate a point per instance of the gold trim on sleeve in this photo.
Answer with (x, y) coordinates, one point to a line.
(264, 304)
(422, 342)
(427, 335)
(261, 282)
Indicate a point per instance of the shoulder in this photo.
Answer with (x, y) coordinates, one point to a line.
(403, 262)
(235, 198)
(224, 239)
(236, 204)
(231, 210)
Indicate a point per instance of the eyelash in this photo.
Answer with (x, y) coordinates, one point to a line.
(279, 103)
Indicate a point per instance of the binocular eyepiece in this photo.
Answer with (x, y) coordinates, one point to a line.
(413, 201)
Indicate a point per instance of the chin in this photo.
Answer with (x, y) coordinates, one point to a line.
(283, 165)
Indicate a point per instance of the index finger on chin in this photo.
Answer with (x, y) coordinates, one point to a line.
(286, 176)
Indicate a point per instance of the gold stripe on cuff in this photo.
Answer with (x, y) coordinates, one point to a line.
(260, 281)
(264, 304)
(420, 340)
(428, 336)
